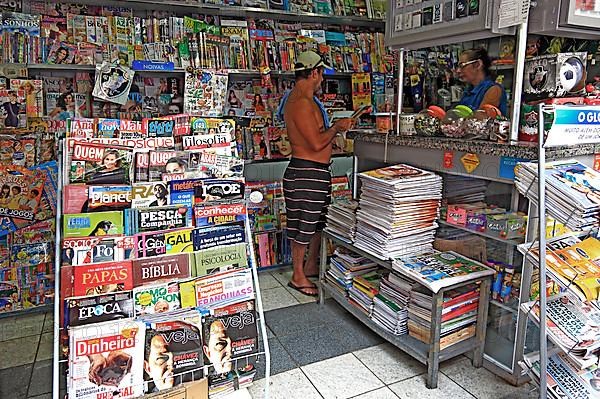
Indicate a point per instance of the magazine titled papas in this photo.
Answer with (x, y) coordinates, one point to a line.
(173, 350)
(107, 358)
(100, 164)
(229, 333)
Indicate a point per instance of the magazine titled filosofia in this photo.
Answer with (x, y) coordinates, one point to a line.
(113, 83)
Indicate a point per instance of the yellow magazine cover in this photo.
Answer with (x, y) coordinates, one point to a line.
(180, 241)
(187, 293)
(361, 90)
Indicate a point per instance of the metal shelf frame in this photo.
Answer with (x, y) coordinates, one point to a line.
(513, 243)
(428, 354)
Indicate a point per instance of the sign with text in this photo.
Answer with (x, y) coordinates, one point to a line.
(574, 125)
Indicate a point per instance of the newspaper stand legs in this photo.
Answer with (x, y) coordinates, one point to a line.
(428, 354)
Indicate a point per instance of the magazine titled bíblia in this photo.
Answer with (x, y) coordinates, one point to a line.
(107, 358)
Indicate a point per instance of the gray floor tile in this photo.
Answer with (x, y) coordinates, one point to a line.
(296, 319)
(22, 351)
(276, 298)
(353, 335)
(481, 383)
(280, 360)
(41, 379)
(267, 281)
(301, 297)
(389, 363)
(381, 393)
(289, 385)
(283, 275)
(414, 388)
(21, 326)
(49, 323)
(313, 345)
(14, 381)
(341, 377)
(42, 396)
(46, 349)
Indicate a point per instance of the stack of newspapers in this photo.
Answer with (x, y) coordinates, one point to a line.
(572, 191)
(341, 219)
(397, 212)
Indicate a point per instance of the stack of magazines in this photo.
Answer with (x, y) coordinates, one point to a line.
(390, 305)
(459, 315)
(572, 191)
(341, 219)
(464, 190)
(363, 290)
(573, 263)
(345, 266)
(564, 379)
(397, 211)
(572, 326)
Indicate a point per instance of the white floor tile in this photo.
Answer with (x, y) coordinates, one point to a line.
(414, 388)
(341, 377)
(481, 383)
(267, 281)
(239, 394)
(276, 298)
(283, 275)
(288, 385)
(301, 297)
(381, 393)
(389, 363)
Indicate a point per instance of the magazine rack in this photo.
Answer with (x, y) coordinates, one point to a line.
(427, 354)
(572, 125)
(60, 366)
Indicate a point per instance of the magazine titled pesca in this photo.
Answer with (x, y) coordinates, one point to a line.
(106, 358)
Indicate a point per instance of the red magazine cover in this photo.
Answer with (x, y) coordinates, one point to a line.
(100, 278)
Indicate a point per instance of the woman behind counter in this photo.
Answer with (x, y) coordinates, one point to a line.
(474, 69)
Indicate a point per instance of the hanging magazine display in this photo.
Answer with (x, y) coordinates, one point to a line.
(113, 83)
(205, 93)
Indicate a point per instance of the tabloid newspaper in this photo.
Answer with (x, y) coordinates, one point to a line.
(106, 357)
(88, 250)
(158, 298)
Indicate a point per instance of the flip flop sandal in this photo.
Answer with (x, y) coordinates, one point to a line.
(300, 289)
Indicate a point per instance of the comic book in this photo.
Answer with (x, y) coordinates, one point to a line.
(148, 195)
(107, 359)
(158, 298)
(13, 109)
(204, 81)
(99, 278)
(93, 224)
(180, 337)
(10, 296)
(361, 90)
(99, 308)
(168, 268)
(100, 164)
(18, 150)
(20, 191)
(238, 324)
(88, 250)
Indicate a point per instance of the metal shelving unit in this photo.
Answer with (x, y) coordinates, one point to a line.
(482, 234)
(428, 354)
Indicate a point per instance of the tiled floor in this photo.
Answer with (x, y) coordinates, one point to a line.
(316, 352)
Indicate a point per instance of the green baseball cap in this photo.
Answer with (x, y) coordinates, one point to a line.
(309, 60)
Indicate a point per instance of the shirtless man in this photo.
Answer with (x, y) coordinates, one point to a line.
(307, 180)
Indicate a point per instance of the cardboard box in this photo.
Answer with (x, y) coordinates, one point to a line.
(189, 390)
(506, 226)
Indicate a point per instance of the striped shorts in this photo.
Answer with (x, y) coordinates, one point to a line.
(307, 192)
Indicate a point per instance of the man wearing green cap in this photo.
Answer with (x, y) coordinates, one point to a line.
(307, 179)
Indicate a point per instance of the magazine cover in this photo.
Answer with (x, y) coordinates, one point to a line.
(159, 298)
(173, 352)
(34, 95)
(93, 224)
(61, 53)
(106, 198)
(216, 166)
(107, 359)
(169, 268)
(395, 173)
(20, 192)
(13, 109)
(229, 333)
(179, 241)
(100, 278)
(218, 189)
(162, 218)
(112, 83)
(217, 259)
(166, 162)
(211, 215)
(218, 236)
(96, 309)
(18, 150)
(205, 93)
(279, 143)
(149, 195)
(88, 250)
(150, 244)
(224, 288)
(100, 164)
(10, 298)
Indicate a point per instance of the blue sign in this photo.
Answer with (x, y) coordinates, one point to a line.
(139, 65)
(507, 167)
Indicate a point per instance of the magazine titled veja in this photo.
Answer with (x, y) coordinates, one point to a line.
(107, 357)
